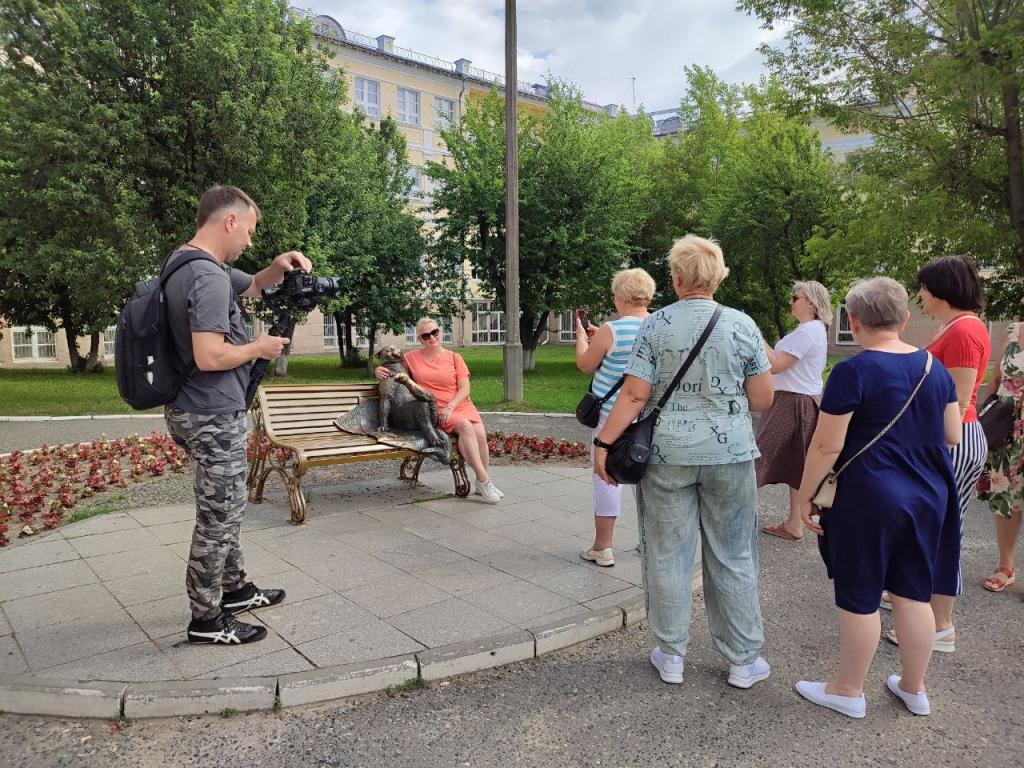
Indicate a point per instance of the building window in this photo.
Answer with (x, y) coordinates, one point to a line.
(368, 96)
(330, 331)
(408, 106)
(253, 328)
(415, 173)
(109, 337)
(844, 335)
(410, 334)
(488, 323)
(567, 326)
(34, 343)
(446, 330)
(444, 110)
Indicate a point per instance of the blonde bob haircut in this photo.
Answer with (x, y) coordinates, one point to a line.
(819, 298)
(634, 286)
(424, 321)
(698, 263)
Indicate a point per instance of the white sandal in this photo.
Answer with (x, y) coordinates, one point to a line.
(941, 643)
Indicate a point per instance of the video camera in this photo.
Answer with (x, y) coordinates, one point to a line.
(298, 292)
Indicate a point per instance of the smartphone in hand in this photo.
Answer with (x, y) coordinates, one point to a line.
(581, 313)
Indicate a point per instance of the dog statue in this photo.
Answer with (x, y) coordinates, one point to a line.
(405, 406)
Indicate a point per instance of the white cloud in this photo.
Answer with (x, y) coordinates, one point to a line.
(598, 44)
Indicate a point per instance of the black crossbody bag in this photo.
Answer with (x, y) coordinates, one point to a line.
(588, 412)
(630, 454)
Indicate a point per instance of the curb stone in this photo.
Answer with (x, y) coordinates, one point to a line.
(23, 695)
(346, 680)
(476, 655)
(577, 628)
(198, 697)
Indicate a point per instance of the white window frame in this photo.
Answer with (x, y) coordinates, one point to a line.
(488, 323)
(409, 107)
(363, 88)
(447, 336)
(567, 326)
(844, 335)
(444, 112)
(109, 341)
(39, 340)
(330, 332)
(416, 174)
(253, 327)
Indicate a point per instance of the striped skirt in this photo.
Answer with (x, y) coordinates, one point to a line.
(783, 435)
(968, 463)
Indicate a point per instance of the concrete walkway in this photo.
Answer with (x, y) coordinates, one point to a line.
(379, 570)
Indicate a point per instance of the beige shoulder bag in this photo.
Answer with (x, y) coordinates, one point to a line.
(826, 495)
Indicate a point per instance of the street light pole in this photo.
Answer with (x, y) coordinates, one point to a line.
(513, 344)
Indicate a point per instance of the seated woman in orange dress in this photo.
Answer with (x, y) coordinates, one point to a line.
(444, 374)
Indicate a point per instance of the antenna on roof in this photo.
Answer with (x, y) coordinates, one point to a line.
(632, 81)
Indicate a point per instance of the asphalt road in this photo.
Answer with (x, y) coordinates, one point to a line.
(601, 704)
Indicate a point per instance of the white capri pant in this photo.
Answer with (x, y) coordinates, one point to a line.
(607, 497)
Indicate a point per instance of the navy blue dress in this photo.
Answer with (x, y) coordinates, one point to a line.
(894, 522)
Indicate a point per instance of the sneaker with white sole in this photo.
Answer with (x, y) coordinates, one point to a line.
(224, 630)
(915, 702)
(478, 492)
(488, 492)
(250, 597)
(603, 557)
(851, 706)
(670, 668)
(745, 675)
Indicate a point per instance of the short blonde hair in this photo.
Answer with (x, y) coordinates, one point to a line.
(422, 322)
(698, 263)
(878, 303)
(819, 298)
(634, 286)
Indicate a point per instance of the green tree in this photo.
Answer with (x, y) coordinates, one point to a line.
(938, 83)
(584, 186)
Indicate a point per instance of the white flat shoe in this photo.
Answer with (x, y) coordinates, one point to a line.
(851, 706)
(915, 702)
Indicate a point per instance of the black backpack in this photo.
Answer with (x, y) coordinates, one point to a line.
(149, 370)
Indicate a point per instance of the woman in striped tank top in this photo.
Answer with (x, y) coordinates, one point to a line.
(605, 352)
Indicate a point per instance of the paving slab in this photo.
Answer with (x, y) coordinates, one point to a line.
(358, 644)
(109, 523)
(174, 513)
(45, 553)
(46, 578)
(59, 607)
(69, 641)
(12, 661)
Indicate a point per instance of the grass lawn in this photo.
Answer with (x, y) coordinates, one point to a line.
(555, 387)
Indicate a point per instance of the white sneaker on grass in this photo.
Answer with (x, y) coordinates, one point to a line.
(745, 675)
(488, 492)
(915, 702)
(603, 557)
(670, 668)
(851, 706)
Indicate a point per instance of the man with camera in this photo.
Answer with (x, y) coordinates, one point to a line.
(208, 415)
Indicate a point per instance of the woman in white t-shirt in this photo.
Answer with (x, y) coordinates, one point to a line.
(784, 433)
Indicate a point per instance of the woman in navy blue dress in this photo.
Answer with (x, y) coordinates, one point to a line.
(894, 522)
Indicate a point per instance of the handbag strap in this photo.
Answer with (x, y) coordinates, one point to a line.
(615, 388)
(689, 360)
(880, 435)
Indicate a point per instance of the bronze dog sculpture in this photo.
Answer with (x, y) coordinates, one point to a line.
(405, 406)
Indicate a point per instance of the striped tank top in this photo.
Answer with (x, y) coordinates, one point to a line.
(613, 364)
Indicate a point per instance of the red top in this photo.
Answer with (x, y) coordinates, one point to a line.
(965, 344)
(441, 378)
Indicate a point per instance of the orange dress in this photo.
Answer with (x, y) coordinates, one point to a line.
(441, 378)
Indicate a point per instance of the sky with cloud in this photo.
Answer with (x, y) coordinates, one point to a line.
(598, 44)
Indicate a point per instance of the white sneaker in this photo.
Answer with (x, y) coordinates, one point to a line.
(915, 702)
(745, 675)
(501, 494)
(670, 668)
(851, 706)
(490, 494)
(603, 557)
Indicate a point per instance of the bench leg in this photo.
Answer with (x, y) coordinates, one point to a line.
(458, 467)
(410, 469)
(296, 498)
(258, 469)
(286, 463)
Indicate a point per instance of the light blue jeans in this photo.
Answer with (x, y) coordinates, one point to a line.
(716, 504)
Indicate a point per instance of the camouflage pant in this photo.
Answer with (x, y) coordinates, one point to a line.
(216, 443)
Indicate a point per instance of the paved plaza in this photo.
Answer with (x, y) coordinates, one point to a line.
(381, 569)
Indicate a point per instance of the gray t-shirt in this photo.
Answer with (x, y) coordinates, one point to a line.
(707, 418)
(201, 298)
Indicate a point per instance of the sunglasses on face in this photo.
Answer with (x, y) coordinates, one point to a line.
(431, 334)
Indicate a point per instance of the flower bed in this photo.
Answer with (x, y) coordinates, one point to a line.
(38, 488)
(518, 446)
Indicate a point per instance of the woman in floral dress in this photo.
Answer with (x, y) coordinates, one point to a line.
(1002, 485)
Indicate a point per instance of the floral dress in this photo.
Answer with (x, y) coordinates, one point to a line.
(1002, 484)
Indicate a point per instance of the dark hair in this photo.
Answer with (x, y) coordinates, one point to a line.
(216, 199)
(953, 279)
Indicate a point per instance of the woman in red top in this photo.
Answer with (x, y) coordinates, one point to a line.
(950, 292)
(444, 374)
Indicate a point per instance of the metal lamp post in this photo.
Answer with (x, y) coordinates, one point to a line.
(513, 344)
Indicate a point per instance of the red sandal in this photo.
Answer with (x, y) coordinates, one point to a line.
(1000, 579)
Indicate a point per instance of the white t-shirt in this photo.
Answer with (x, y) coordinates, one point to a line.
(808, 343)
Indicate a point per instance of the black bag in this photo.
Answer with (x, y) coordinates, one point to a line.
(588, 412)
(996, 419)
(630, 454)
(149, 371)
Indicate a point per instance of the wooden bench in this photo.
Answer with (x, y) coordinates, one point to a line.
(294, 430)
